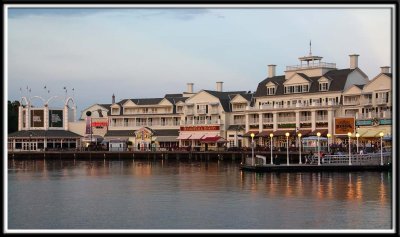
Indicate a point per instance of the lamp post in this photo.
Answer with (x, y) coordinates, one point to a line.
(381, 135)
(252, 148)
(30, 141)
(349, 134)
(299, 135)
(271, 135)
(328, 136)
(287, 148)
(357, 136)
(319, 159)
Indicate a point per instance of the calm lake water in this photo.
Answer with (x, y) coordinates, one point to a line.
(194, 195)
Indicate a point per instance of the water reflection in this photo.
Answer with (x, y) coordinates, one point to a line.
(151, 187)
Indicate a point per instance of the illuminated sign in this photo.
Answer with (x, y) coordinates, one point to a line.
(99, 124)
(37, 118)
(344, 126)
(55, 118)
(200, 128)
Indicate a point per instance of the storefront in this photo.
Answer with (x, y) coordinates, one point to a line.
(190, 136)
(41, 140)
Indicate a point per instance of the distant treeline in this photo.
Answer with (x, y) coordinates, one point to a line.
(13, 116)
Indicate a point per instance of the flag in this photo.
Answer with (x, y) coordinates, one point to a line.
(65, 88)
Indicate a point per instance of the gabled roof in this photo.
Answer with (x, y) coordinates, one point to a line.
(338, 81)
(225, 97)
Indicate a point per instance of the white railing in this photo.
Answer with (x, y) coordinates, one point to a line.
(322, 118)
(268, 120)
(253, 121)
(239, 122)
(305, 118)
(201, 111)
(357, 159)
(286, 119)
(381, 101)
(351, 102)
(366, 102)
(189, 111)
(315, 65)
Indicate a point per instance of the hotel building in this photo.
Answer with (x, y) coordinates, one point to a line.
(311, 98)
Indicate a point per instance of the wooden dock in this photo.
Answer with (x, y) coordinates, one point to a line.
(315, 168)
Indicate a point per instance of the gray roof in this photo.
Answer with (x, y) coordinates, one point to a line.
(236, 127)
(338, 81)
(44, 133)
(120, 133)
(131, 133)
(225, 97)
(166, 132)
(360, 86)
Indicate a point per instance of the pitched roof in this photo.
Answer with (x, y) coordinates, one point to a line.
(338, 81)
(225, 97)
(120, 133)
(166, 132)
(44, 133)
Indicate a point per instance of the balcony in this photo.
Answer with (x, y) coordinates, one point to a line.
(189, 112)
(381, 101)
(322, 117)
(268, 120)
(239, 122)
(366, 102)
(286, 119)
(351, 102)
(214, 111)
(305, 118)
(253, 121)
(266, 106)
(201, 111)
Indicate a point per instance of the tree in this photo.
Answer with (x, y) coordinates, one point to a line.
(13, 116)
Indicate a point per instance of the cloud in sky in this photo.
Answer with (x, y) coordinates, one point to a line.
(140, 53)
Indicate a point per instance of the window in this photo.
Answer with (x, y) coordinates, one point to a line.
(271, 91)
(323, 86)
(305, 88)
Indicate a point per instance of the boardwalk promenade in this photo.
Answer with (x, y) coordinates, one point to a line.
(366, 162)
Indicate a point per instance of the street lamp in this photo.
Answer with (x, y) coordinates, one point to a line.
(252, 148)
(30, 141)
(319, 159)
(357, 136)
(381, 135)
(299, 135)
(329, 136)
(287, 148)
(349, 134)
(271, 135)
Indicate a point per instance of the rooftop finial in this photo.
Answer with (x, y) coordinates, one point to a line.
(310, 48)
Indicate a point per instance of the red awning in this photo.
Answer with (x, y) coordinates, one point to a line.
(213, 139)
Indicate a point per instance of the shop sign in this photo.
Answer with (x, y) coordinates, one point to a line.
(385, 121)
(37, 118)
(200, 128)
(344, 125)
(363, 122)
(55, 118)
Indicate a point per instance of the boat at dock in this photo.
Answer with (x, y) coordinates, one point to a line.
(332, 163)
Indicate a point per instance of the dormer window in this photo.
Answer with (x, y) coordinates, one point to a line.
(304, 88)
(271, 91)
(323, 86)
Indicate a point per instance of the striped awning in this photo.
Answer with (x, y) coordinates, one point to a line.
(184, 136)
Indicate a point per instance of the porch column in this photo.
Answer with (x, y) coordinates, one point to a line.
(247, 122)
(298, 119)
(260, 122)
(313, 120)
(330, 121)
(275, 118)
